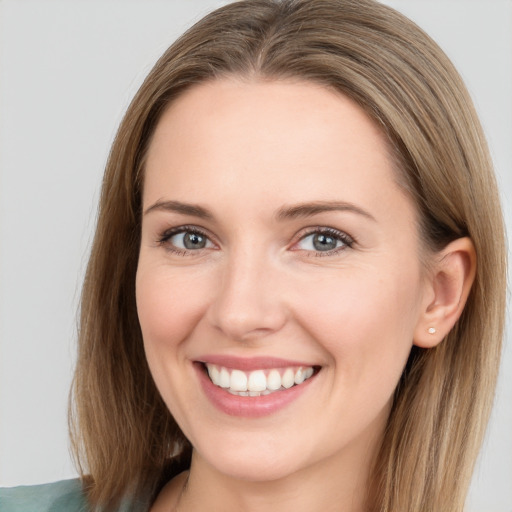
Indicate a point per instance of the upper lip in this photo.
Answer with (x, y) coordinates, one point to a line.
(251, 363)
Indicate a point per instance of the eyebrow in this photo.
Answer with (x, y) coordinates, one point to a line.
(317, 207)
(285, 213)
(179, 207)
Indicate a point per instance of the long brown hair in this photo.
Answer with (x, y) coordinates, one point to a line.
(124, 437)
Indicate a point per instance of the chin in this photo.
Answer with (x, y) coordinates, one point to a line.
(255, 469)
(252, 461)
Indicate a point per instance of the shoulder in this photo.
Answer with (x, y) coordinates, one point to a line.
(63, 496)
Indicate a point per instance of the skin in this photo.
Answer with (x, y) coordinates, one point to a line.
(245, 150)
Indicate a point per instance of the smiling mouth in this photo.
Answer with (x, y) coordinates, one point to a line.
(258, 382)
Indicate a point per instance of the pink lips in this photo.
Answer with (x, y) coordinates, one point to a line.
(246, 406)
(253, 363)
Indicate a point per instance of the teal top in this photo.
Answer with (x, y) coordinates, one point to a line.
(63, 496)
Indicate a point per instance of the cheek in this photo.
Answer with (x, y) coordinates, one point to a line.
(366, 324)
(169, 305)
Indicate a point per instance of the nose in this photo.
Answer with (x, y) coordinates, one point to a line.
(249, 303)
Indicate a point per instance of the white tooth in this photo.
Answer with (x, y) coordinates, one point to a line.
(224, 378)
(299, 376)
(288, 379)
(238, 381)
(266, 392)
(254, 393)
(308, 372)
(273, 380)
(257, 381)
(213, 372)
(243, 393)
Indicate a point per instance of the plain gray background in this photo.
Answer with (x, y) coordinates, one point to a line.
(68, 69)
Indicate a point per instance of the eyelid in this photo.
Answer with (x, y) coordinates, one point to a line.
(346, 239)
(167, 234)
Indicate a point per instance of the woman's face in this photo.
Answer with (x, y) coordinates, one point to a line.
(276, 247)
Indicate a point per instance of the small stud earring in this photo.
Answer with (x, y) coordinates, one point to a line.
(431, 330)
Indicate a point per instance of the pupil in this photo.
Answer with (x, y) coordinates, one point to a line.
(194, 241)
(324, 242)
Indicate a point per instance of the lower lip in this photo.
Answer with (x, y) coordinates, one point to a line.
(249, 406)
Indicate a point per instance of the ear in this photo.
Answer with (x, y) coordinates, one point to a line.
(449, 285)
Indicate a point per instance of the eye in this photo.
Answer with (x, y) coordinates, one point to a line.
(324, 240)
(185, 239)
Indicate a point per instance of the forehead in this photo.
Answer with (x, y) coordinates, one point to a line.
(285, 141)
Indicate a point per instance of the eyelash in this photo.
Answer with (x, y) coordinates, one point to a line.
(344, 238)
(168, 234)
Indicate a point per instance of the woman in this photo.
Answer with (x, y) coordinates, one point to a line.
(298, 206)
